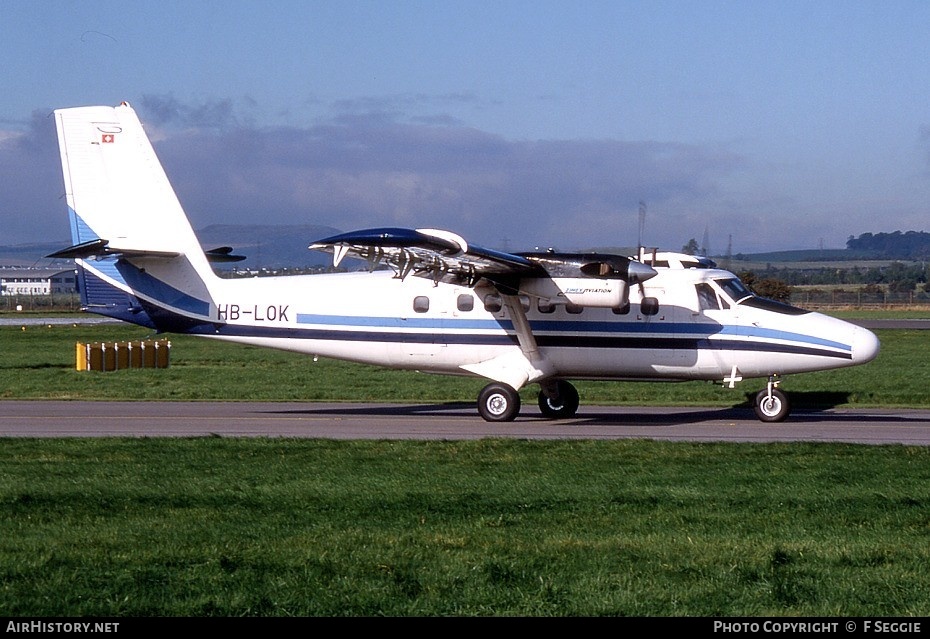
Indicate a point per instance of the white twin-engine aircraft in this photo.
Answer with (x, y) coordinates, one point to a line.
(444, 306)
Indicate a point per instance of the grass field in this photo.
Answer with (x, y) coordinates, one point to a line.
(38, 362)
(276, 527)
(190, 527)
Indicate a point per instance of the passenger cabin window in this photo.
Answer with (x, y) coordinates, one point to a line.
(494, 303)
(465, 303)
(545, 306)
(707, 297)
(420, 303)
(621, 310)
(649, 306)
(573, 309)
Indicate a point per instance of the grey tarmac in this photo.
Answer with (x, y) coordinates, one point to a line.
(459, 421)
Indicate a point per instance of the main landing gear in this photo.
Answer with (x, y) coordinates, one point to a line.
(559, 400)
(498, 403)
(501, 403)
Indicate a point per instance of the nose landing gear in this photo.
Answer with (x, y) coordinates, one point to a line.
(772, 404)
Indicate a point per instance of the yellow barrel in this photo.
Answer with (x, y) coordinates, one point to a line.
(162, 352)
(80, 356)
(95, 356)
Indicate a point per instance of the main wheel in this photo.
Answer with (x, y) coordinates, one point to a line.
(565, 406)
(498, 403)
(774, 408)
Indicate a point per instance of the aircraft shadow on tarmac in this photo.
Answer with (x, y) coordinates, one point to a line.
(808, 407)
(624, 416)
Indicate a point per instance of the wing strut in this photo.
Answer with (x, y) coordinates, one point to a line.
(513, 368)
(522, 326)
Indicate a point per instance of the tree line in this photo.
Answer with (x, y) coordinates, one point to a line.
(910, 245)
(897, 282)
(897, 279)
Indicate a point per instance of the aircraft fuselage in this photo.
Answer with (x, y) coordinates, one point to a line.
(376, 318)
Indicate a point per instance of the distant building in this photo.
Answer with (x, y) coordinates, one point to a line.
(37, 281)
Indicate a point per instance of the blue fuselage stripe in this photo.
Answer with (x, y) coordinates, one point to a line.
(566, 340)
(583, 330)
(618, 335)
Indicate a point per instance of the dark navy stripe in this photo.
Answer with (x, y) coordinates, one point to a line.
(641, 342)
(153, 288)
(541, 326)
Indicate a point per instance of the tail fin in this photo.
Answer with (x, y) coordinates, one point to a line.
(148, 266)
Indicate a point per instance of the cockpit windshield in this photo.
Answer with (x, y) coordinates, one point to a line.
(735, 289)
(742, 295)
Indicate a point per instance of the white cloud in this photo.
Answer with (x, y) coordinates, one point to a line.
(363, 171)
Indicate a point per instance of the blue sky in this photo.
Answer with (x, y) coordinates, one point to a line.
(771, 125)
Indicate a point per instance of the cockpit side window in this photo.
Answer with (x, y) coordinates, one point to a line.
(707, 297)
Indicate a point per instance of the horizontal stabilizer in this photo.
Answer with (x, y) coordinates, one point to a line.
(83, 250)
(102, 248)
(223, 254)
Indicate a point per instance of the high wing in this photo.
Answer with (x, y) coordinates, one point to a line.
(445, 256)
(432, 253)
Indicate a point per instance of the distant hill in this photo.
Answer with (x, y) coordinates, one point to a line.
(896, 246)
(805, 255)
(32, 255)
(264, 246)
(272, 247)
(269, 246)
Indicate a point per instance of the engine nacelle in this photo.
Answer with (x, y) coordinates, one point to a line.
(580, 291)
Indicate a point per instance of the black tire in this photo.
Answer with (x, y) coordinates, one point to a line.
(563, 407)
(774, 408)
(498, 403)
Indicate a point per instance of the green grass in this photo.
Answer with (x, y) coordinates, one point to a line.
(189, 527)
(214, 526)
(882, 314)
(38, 363)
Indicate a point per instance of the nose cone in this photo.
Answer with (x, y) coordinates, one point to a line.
(865, 345)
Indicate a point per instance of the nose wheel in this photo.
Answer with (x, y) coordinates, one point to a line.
(772, 404)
